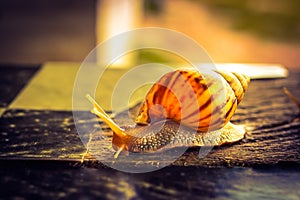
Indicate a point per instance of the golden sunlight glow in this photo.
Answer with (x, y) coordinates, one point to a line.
(114, 17)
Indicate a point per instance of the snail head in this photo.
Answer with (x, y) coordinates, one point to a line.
(121, 140)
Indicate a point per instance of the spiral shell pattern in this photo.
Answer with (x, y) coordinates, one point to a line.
(203, 101)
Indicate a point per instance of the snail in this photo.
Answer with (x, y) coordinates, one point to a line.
(182, 102)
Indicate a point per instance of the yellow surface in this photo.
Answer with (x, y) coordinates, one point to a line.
(2, 111)
(52, 88)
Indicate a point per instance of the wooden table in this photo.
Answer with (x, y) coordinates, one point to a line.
(40, 149)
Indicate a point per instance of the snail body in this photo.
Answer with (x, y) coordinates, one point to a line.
(164, 135)
(184, 107)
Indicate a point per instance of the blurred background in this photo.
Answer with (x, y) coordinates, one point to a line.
(33, 31)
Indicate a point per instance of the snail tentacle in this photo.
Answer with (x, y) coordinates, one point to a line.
(96, 105)
(117, 153)
(97, 110)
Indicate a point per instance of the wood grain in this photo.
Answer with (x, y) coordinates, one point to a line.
(270, 118)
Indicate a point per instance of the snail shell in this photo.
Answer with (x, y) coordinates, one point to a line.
(202, 102)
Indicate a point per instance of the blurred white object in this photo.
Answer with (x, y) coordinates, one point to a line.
(255, 71)
(114, 17)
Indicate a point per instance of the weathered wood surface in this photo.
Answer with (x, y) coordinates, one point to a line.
(269, 116)
(23, 180)
(38, 146)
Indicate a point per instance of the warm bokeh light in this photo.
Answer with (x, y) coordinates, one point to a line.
(114, 17)
(259, 31)
(268, 32)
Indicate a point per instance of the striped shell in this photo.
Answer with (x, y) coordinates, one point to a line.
(203, 101)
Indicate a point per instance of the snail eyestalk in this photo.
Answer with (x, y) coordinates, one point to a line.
(97, 110)
(291, 96)
(96, 105)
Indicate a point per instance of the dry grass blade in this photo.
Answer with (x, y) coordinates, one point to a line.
(291, 96)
